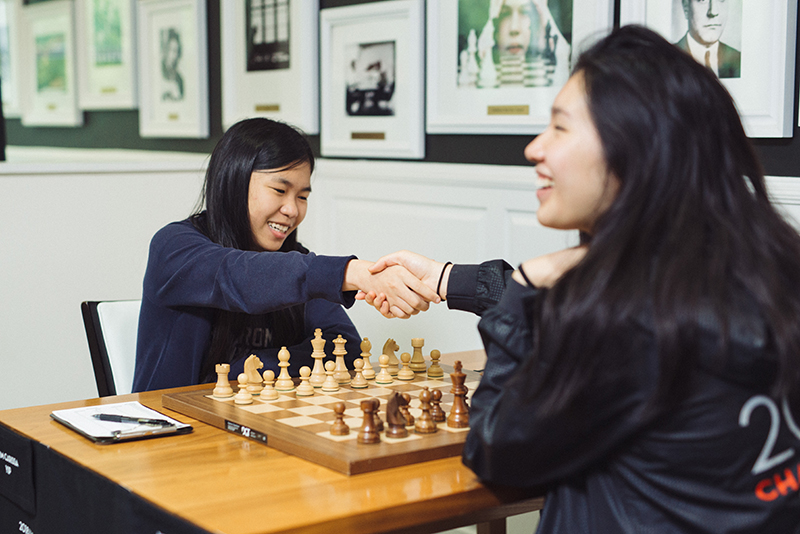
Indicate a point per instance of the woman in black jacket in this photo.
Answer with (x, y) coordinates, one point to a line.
(648, 379)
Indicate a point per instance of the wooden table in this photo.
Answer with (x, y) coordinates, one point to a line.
(222, 482)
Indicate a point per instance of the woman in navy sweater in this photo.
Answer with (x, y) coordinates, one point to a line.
(232, 280)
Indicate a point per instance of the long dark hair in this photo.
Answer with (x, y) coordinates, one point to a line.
(691, 228)
(250, 145)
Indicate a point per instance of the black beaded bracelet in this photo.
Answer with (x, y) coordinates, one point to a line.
(441, 277)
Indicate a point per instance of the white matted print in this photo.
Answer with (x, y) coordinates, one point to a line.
(173, 69)
(10, 57)
(751, 48)
(47, 44)
(495, 66)
(272, 69)
(373, 80)
(106, 53)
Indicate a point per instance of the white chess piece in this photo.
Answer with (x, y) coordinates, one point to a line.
(487, 76)
(384, 377)
(243, 396)
(341, 374)
(284, 382)
(269, 393)
(405, 373)
(318, 372)
(305, 389)
(359, 381)
(366, 346)
(223, 389)
(330, 385)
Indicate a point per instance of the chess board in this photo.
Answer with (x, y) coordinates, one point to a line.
(301, 425)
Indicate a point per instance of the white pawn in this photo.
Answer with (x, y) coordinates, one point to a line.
(305, 389)
(318, 372)
(405, 373)
(359, 381)
(383, 377)
(269, 393)
(435, 370)
(284, 382)
(366, 346)
(243, 396)
(330, 385)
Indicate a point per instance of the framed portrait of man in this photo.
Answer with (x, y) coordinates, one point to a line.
(750, 46)
(270, 61)
(495, 66)
(173, 69)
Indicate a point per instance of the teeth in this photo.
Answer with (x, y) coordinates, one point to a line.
(279, 227)
(543, 182)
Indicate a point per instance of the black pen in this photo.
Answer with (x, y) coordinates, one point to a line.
(136, 420)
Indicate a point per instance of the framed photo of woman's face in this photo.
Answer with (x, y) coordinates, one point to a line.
(270, 61)
(173, 69)
(373, 80)
(106, 54)
(495, 66)
(750, 46)
(49, 93)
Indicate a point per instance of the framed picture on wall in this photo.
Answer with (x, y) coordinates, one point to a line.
(751, 48)
(173, 69)
(373, 80)
(10, 56)
(495, 66)
(47, 45)
(270, 61)
(106, 54)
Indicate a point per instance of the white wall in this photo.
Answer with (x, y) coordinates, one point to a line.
(75, 225)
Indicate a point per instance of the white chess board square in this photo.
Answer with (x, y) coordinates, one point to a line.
(300, 420)
(354, 412)
(261, 407)
(351, 436)
(432, 383)
(310, 410)
(411, 436)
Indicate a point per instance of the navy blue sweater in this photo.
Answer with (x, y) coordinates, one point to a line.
(189, 278)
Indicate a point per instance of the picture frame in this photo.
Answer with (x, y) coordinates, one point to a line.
(762, 81)
(105, 32)
(173, 69)
(372, 80)
(10, 57)
(273, 70)
(49, 93)
(488, 76)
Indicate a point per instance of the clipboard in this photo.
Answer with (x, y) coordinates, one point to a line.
(83, 421)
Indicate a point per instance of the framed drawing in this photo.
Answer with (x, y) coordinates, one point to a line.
(270, 61)
(10, 57)
(751, 48)
(494, 67)
(105, 32)
(372, 80)
(47, 45)
(173, 69)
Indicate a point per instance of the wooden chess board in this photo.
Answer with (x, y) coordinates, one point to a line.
(300, 425)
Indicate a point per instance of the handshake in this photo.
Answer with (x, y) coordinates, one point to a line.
(400, 284)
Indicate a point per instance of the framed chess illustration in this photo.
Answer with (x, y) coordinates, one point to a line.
(373, 80)
(270, 61)
(49, 93)
(10, 57)
(173, 69)
(750, 45)
(105, 32)
(494, 67)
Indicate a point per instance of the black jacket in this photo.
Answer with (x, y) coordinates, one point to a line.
(726, 459)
